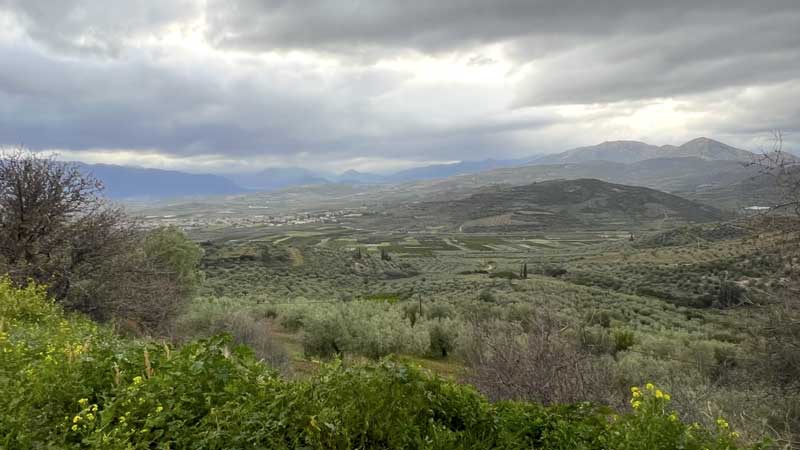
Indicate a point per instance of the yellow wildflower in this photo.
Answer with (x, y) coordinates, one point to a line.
(649, 386)
(90, 417)
(137, 380)
(659, 394)
(673, 417)
(76, 419)
(735, 435)
(722, 423)
(636, 404)
(637, 394)
(634, 389)
(667, 397)
(83, 402)
(74, 428)
(159, 408)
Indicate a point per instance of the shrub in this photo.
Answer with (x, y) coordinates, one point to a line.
(554, 271)
(363, 328)
(208, 319)
(487, 296)
(443, 336)
(729, 294)
(505, 274)
(439, 310)
(538, 365)
(623, 340)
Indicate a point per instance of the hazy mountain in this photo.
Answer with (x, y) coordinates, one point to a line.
(447, 170)
(554, 205)
(633, 151)
(666, 174)
(278, 178)
(356, 177)
(123, 182)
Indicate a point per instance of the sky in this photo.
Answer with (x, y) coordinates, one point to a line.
(382, 85)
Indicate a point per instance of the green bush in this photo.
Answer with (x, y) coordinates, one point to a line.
(623, 340)
(209, 318)
(443, 336)
(363, 328)
(487, 296)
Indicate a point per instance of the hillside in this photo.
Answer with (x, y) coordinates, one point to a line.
(633, 151)
(557, 204)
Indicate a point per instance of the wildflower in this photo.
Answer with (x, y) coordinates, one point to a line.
(159, 408)
(649, 386)
(636, 404)
(122, 419)
(74, 428)
(94, 408)
(637, 394)
(137, 380)
(659, 394)
(90, 417)
(76, 419)
(667, 397)
(83, 402)
(735, 435)
(634, 390)
(722, 423)
(673, 417)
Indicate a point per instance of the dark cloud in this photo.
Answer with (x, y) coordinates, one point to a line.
(338, 80)
(354, 25)
(95, 27)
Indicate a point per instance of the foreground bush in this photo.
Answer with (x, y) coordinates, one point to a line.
(67, 383)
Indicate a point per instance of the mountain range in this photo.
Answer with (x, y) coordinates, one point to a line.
(634, 151)
(701, 161)
(124, 182)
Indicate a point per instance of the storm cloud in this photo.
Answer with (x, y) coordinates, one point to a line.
(333, 83)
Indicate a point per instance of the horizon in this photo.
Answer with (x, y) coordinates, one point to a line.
(389, 172)
(212, 87)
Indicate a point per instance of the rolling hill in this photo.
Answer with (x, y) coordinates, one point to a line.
(553, 205)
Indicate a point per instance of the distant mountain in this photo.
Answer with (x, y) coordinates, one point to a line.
(448, 170)
(284, 177)
(554, 205)
(666, 174)
(356, 177)
(123, 182)
(275, 178)
(634, 151)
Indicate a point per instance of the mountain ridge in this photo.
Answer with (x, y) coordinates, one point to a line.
(634, 151)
